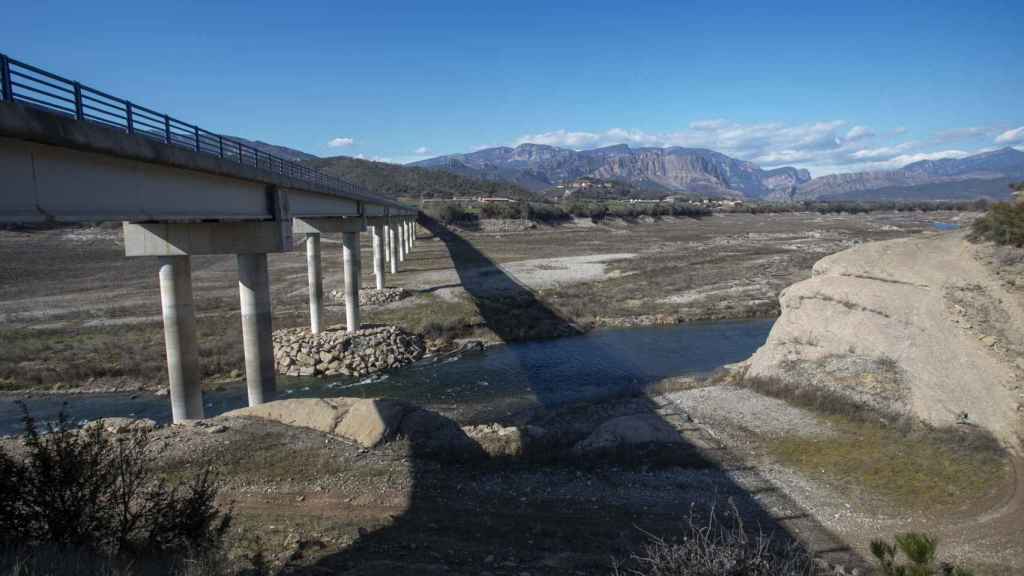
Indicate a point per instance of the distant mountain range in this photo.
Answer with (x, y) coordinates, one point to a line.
(695, 171)
(657, 172)
(704, 172)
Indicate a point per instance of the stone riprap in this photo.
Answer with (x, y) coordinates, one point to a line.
(334, 352)
(375, 297)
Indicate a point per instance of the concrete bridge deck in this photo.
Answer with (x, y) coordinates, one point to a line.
(70, 153)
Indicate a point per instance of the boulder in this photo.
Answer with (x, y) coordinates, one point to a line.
(373, 422)
(497, 440)
(118, 425)
(629, 430)
(321, 414)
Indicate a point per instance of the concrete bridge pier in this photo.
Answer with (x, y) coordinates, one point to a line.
(387, 241)
(353, 272)
(174, 243)
(393, 246)
(376, 226)
(186, 391)
(316, 282)
(257, 329)
(401, 241)
(350, 228)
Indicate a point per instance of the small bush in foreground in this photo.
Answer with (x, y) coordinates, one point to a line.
(721, 548)
(919, 550)
(85, 489)
(1003, 224)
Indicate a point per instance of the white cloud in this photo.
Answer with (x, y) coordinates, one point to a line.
(859, 133)
(340, 142)
(422, 151)
(1011, 136)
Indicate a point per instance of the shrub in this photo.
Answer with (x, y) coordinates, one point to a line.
(1003, 224)
(82, 488)
(501, 211)
(547, 213)
(919, 550)
(721, 548)
(448, 212)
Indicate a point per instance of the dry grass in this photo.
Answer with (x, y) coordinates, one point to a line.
(920, 471)
(892, 456)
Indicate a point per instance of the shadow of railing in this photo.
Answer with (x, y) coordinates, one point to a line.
(552, 509)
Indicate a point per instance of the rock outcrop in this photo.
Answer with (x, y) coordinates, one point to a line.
(373, 422)
(917, 326)
(297, 352)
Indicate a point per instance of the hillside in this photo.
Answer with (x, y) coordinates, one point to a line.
(668, 170)
(279, 151)
(981, 175)
(395, 181)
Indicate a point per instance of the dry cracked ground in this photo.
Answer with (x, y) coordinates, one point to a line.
(316, 504)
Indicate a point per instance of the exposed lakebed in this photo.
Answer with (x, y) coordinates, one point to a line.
(483, 386)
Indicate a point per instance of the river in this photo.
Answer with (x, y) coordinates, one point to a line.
(478, 387)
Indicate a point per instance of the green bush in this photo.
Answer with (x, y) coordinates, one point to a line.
(83, 488)
(501, 211)
(1003, 224)
(919, 550)
(547, 213)
(448, 212)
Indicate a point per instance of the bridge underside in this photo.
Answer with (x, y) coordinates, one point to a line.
(176, 203)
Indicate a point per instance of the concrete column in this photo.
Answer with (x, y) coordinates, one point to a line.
(401, 241)
(387, 243)
(316, 282)
(254, 294)
(378, 255)
(350, 253)
(393, 247)
(412, 232)
(180, 338)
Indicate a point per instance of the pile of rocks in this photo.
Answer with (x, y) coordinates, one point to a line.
(297, 352)
(374, 297)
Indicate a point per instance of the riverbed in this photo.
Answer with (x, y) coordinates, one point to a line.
(494, 384)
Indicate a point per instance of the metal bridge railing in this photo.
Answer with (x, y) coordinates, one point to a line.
(21, 82)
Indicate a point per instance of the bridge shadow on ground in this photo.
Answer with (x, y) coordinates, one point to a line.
(566, 503)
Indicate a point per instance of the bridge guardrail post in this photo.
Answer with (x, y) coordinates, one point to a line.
(196, 132)
(79, 108)
(167, 129)
(5, 78)
(129, 117)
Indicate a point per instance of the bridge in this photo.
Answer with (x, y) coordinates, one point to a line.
(70, 153)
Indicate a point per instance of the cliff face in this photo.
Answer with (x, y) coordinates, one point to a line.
(691, 170)
(708, 173)
(917, 326)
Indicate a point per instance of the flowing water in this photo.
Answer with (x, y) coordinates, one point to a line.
(480, 386)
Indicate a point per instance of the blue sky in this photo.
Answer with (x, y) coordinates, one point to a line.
(827, 86)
